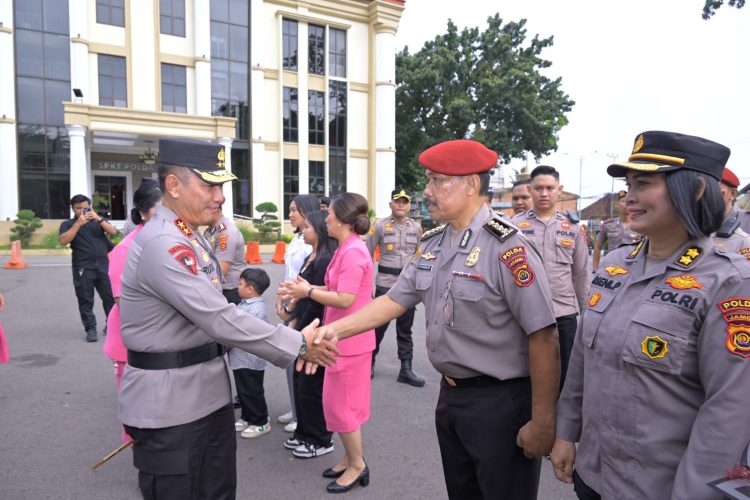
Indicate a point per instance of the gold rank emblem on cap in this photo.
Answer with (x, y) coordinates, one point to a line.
(473, 257)
(654, 347)
(221, 156)
(638, 144)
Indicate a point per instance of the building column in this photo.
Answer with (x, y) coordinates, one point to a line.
(8, 155)
(80, 170)
(228, 207)
(202, 17)
(257, 104)
(385, 117)
(79, 49)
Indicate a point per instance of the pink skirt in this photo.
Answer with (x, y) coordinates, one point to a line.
(346, 393)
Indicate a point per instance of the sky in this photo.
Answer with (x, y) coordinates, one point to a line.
(629, 66)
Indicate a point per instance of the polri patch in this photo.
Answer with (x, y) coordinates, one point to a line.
(683, 282)
(186, 257)
(594, 299)
(654, 347)
(223, 241)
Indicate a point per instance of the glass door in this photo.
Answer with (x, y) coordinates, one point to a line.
(110, 196)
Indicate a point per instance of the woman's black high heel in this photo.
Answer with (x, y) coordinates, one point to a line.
(330, 473)
(363, 479)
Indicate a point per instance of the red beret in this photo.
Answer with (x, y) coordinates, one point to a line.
(729, 178)
(460, 157)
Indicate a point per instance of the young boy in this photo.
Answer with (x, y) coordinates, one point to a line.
(249, 369)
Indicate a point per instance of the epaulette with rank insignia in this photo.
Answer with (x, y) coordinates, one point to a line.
(433, 232)
(572, 217)
(500, 229)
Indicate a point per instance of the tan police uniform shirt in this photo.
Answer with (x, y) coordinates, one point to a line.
(565, 255)
(483, 296)
(228, 245)
(616, 234)
(171, 301)
(656, 391)
(398, 241)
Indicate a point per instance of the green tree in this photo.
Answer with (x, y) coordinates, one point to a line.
(486, 86)
(268, 222)
(711, 6)
(26, 224)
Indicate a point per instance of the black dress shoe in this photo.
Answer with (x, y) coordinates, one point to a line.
(363, 479)
(91, 335)
(332, 474)
(407, 376)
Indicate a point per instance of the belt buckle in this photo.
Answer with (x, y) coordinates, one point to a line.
(450, 381)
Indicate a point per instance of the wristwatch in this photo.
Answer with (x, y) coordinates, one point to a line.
(303, 347)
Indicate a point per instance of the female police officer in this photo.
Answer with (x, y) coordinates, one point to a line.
(654, 392)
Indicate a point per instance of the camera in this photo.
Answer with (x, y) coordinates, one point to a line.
(87, 209)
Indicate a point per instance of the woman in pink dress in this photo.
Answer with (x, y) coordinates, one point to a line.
(145, 199)
(348, 288)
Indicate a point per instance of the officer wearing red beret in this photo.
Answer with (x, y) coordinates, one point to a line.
(490, 330)
(730, 235)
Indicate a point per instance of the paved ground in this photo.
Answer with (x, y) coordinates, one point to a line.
(58, 416)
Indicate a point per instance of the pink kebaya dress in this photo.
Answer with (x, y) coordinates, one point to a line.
(346, 386)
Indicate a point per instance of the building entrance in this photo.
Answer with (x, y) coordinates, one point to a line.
(110, 196)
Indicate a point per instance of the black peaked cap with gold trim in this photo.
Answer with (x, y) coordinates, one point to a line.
(658, 151)
(400, 193)
(205, 159)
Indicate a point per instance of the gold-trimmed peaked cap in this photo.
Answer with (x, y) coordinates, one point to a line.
(658, 151)
(205, 159)
(400, 193)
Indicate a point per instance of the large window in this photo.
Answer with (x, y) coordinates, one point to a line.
(316, 120)
(316, 42)
(336, 137)
(291, 183)
(113, 88)
(172, 17)
(173, 88)
(337, 53)
(289, 44)
(317, 177)
(291, 127)
(336, 171)
(110, 12)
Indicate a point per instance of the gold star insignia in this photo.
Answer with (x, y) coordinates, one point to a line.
(686, 260)
(692, 252)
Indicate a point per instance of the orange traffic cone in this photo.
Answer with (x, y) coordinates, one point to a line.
(278, 256)
(252, 253)
(376, 254)
(16, 259)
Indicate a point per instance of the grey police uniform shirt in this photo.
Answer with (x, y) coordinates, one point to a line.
(171, 301)
(398, 242)
(656, 391)
(736, 241)
(565, 255)
(483, 296)
(616, 234)
(228, 245)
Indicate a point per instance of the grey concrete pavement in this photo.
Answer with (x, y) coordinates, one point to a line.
(58, 414)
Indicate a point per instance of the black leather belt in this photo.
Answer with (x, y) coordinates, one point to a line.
(389, 270)
(478, 381)
(171, 360)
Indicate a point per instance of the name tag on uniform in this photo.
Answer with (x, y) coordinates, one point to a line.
(424, 267)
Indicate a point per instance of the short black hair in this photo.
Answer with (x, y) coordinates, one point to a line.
(484, 183)
(257, 278)
(79, 198)
(545, 170)
(521, 182)
(701, 217)
(178, 170)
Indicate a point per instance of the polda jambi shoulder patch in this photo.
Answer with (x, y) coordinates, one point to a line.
(186, 257)
(736, 313)
(515, 259)
(433, 232)
(500, 229)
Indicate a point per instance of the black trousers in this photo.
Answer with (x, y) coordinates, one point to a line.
(252, 395)
(476, 429)
(308, 400)
(232, 296)
(566, 330)
(85, 281)
(193, 461)
(583, 492)
(403, 331)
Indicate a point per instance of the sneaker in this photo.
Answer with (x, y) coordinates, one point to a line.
(240, 425)
(285, 418)
(307, 450)
(91, 335)
(291, 426)
(253, 431)
(292, 443)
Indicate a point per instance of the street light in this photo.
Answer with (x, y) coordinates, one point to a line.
(613, 158)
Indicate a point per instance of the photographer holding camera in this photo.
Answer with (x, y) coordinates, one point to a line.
(87, 234)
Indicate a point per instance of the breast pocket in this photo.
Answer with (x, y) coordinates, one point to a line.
(462, 305)
(597, 304)
(564, 250)
(389, 242)
(658, 338)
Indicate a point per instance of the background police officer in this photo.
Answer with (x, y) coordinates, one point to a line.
(490, 331)
(228, 245)
(398, 237)
(615, 232)
(730, 235)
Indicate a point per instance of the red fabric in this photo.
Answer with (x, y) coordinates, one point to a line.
(459, 157)
(729, 178)
(4, 354)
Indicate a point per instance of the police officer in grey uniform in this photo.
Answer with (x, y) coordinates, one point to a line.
(656, 391)
(175, 394)
(730, 235)
(398, 237)
(490, 331)
(228, 245)
(615, 232)
(564, 251)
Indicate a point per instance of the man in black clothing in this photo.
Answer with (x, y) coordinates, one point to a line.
(87, 234)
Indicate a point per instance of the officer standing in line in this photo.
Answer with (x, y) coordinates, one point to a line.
(520, 196)
(490, 331)
(730, 235)
(615, 232)
(564, 252)
(398, 238)
(175, 393)
(228, 245)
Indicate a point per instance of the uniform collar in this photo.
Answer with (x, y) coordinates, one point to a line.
(483, 215)
(252, 300)
(685, 259)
